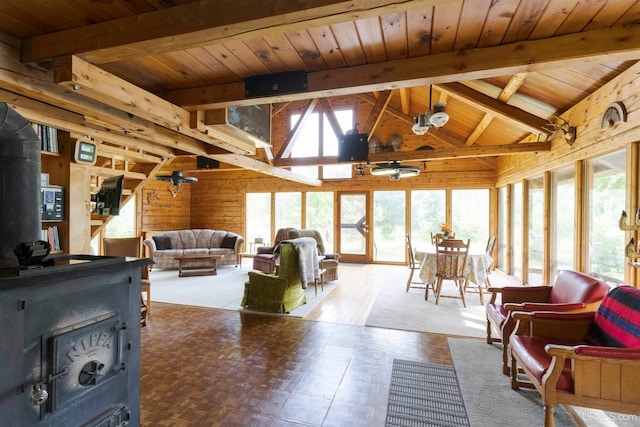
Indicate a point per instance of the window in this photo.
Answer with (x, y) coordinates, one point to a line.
(389, 226)
(563, 188)
(124, 224)
(503, 209)
(470, 216)
(320, 216)
(606, 195)
(288, 210)
(258, 217)
(536, 230)
(317, 138)
(428, 211)
(516, 231)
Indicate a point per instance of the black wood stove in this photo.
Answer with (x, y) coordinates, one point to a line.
(70, 343)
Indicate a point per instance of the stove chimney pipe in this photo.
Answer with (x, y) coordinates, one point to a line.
(20, 205)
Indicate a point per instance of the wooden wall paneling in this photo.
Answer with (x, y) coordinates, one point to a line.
(592, 141)
(161, 212)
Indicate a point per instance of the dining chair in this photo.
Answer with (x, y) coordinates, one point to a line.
(132, 247)
(451, 256)
(413, 265)
(485, 284)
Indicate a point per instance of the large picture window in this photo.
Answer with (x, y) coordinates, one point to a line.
(428, 212)
(470, 216)
(535, 218)
(389, 228)
(503, 210)
(288, 210)
(319, 216)
(606, 195)
(258, 218)
(317, 138)
(516, 231)
(563, 189)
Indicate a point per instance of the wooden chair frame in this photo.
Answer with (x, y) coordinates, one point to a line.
(413, 265)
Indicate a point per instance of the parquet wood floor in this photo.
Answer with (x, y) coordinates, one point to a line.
(211, 367)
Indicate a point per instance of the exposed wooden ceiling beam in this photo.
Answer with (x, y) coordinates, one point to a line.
(376, 112)
(202, 23)
(264, 168)
(127, 155)
(479, 129)
(40, 112)
(285, 150)
(405, 100)
(512, 86)
(330, 115)
(420, 155)
(467, 64)
(517, 117)
(458, 153)
(97, 84)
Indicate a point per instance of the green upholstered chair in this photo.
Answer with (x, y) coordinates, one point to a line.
(276, 293)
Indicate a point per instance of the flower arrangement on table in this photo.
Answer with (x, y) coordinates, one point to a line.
(447, 231)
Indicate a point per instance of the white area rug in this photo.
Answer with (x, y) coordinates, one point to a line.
(491, 402)
(225, 290)
(395, 308)
(488, 397)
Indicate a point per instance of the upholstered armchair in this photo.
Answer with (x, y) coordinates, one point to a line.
(266, 257)
(572, 292)
(276, 293)
(589, 359)
(330, 262)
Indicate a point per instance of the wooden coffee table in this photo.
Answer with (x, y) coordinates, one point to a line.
(185, 271)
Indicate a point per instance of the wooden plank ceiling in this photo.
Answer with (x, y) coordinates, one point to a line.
(148, 70)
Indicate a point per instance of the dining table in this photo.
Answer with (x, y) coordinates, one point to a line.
(478, 261)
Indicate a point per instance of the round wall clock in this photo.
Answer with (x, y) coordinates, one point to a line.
(613, 114)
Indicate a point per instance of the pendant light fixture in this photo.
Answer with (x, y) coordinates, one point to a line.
(437, 117)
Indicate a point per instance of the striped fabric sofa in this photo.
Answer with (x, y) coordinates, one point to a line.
(163, 247)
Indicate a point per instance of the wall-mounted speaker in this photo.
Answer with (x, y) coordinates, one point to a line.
(353, 147)
(207, 163)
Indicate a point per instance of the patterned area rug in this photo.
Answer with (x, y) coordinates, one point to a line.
(425, 394)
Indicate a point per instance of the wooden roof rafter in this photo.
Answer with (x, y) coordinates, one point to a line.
(446, 67)
(285, 150)
(201, 23)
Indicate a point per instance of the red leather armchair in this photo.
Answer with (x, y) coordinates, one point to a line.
(585, 359)
(572, 292)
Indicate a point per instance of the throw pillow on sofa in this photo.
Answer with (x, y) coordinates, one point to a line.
(162, 242)
(229, 242)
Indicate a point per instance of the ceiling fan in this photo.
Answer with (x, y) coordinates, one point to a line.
(176, 179)
(437, 117)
